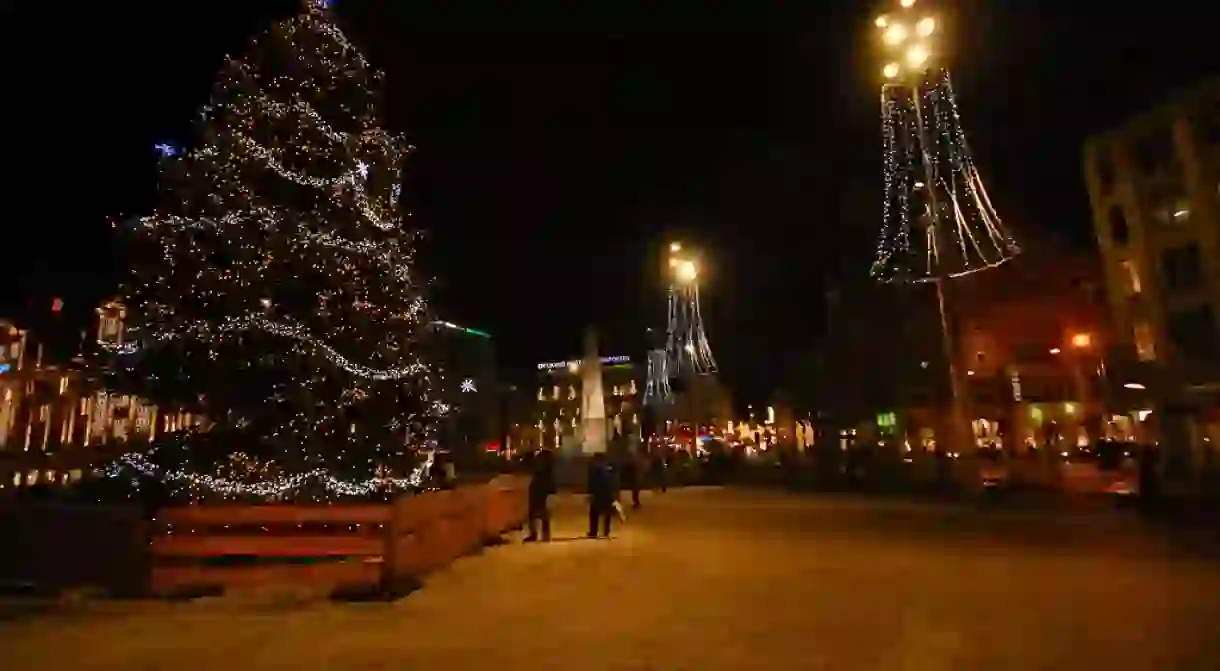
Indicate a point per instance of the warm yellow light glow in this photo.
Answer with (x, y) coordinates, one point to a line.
(675, 246)
(882, 21)
(1055, 350)
(908, 3)
(926, 27)
(687, 271)
(895, 34)
(1082, 340)
(673, 263)
(917, 56)
(891, 70)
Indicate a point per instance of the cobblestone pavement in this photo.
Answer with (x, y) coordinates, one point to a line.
(706, 579)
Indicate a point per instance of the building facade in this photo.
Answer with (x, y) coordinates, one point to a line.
(1035, 348)
(57, 419)
(556, 414)
(1039, 355)
(1154, 187)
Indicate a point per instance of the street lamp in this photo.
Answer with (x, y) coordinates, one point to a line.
(913, 36)
(686, 271)
(1080, 343)
(688, 353)
(917, 39)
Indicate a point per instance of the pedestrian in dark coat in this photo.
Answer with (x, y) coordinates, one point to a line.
(541, 487)
(631, 477)
(658, 469)
(603, 492)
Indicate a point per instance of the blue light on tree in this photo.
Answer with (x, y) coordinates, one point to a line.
(166, 150)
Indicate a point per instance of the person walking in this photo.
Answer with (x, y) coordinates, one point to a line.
(602, 495)
(541, 487)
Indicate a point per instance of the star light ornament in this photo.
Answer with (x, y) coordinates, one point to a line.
(468, 386)
(938, 221)
(281, 275)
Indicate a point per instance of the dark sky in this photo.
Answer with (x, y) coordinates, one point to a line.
(560, 149)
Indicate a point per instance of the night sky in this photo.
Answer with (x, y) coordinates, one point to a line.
(560, 150)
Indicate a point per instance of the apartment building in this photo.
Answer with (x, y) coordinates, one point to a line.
(1154, 187)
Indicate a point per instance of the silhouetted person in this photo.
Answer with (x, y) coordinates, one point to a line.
(541, 487)
(1147, 474)
(152, 495)
(602, 495)
(631, 477)
(443, 472)
(658, 469)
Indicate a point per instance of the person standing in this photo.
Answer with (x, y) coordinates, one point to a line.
(1148, 484)
(658, 467)
(602, 495)
(541, 487)
(631, 477)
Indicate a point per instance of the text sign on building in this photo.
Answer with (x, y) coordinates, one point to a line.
(554, 365)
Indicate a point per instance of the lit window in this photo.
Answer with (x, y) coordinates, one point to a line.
(1131, 277)
(1175, 213)
(1145, 344)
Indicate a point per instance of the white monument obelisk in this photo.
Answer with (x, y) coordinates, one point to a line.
(592, 400)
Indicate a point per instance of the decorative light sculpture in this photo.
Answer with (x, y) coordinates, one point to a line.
(938, 221)
(687, 346)
(657, 390)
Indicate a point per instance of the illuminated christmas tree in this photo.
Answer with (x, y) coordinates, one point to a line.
(278, 291)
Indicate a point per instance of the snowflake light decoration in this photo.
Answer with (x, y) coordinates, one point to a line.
(468, 386)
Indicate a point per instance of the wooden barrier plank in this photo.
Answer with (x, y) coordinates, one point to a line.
(275, 514)
(354, 572)
(209, 545)
(427, 531)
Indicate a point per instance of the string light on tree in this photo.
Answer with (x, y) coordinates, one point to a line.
(280, 296)
(938, 221)
(259, 484)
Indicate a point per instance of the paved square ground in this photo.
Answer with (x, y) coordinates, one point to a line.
(705, 579)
